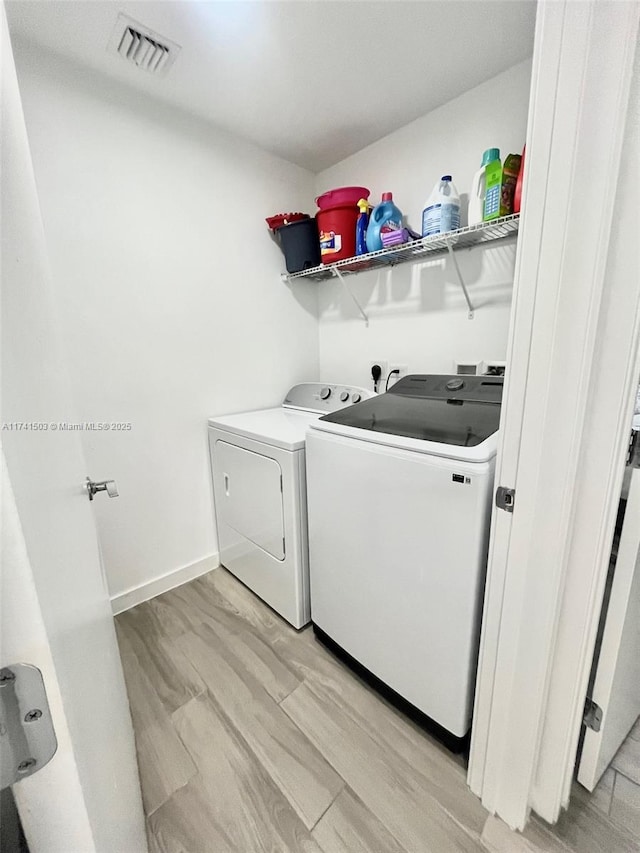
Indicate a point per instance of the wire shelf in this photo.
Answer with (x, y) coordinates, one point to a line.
(464, 238)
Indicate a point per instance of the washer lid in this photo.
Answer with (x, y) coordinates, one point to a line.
(278, 427)
(453, 411)
(483, 452)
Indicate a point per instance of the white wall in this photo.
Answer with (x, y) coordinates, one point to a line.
(418, 313)
(169, 293)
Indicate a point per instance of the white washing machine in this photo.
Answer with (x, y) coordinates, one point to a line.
(399, 495)
(259, 484)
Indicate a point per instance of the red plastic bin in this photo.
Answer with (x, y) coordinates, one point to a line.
(337, 227)
(341, 195)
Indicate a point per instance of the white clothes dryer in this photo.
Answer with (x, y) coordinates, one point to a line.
(259, 484)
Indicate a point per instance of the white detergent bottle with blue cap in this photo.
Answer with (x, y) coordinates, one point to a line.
(442, 210)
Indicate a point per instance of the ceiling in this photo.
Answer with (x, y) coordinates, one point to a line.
(311, 81)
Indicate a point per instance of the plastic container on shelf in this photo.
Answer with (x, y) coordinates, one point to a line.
(478, 188)
(341, 195)
(337, 227)
(362, 224)
(510, 172)
(442, 209)
(493, 186)
(280, 219)
(300, 244)
(517, 197)
(384, 214)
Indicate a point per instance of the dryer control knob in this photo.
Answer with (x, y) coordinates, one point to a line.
(356, 398)
(325, 393)
(344, 396)
(455, 385)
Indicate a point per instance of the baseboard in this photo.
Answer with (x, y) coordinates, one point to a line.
(137, 594)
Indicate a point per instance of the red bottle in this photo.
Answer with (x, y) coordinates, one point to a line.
(518, 193)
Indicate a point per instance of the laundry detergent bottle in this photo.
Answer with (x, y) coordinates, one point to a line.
(493, 186)
(361, 227)
(478, 188)
(442, 209)
(385, 213)
(517, 198)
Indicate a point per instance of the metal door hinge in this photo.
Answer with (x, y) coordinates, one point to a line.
(505, 498)
(27, 738)
(592, 717)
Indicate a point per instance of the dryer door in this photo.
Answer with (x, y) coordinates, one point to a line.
(251, 496)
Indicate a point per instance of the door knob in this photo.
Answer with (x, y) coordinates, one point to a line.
(95, 486)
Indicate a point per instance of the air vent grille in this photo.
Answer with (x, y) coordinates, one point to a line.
(142, 47)
(145, 52)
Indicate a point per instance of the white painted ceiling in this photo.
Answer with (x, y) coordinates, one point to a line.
(310, 80)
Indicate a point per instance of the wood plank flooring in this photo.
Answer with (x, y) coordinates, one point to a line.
(627, 759)
(252, 737)
(617, 794)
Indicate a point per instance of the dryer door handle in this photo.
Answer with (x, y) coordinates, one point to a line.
(226, 484)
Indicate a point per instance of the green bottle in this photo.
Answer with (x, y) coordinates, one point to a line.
(493, 184)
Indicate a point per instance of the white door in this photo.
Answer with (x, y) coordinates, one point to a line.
(55, 607)
(570, 369)
(616, 688)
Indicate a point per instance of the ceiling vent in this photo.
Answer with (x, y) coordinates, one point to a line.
(140, 46)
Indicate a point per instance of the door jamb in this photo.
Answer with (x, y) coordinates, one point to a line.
(612, 394)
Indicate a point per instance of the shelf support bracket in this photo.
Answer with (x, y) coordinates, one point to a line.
(454, 260)
(337, 273)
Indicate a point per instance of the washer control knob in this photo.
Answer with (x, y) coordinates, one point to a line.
(356, 398)
(325, 393)
(455, 385)
(344, 396)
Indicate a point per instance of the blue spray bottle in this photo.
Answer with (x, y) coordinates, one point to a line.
(361, 227)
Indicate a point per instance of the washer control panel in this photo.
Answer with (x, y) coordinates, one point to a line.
(323, 398)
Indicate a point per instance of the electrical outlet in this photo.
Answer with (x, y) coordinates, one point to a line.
(495, 368)
(470, 368)
(392, 377)
(384, 366)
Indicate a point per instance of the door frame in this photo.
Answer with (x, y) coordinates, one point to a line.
(544, 593)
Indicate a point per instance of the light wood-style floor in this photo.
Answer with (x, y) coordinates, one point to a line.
(252, 737)
(618, 792)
